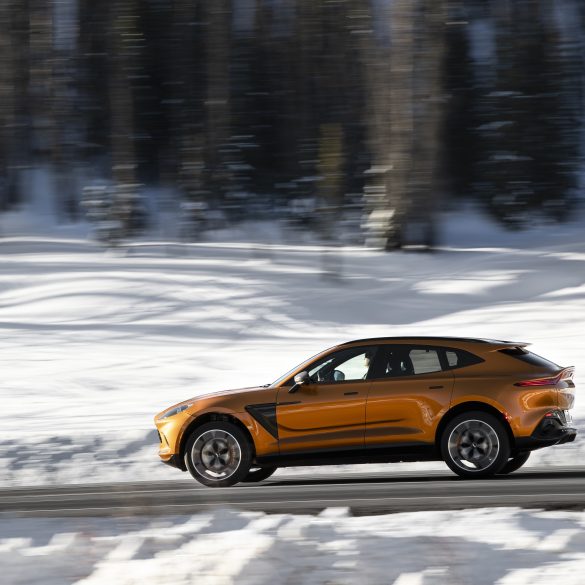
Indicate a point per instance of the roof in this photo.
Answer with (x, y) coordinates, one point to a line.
(436, 338)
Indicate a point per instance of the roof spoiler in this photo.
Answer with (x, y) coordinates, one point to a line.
(496, 345)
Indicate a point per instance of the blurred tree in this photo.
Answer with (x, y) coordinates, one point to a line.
(237, 101)
(217, 102)
(60, 26)
(94, 83)
(528, 135)
(515, 127)
(125, 45)
(424, 202)
(14, 99)
(406, 84)
(188, 98)
(310, 36)
(404, 34)
(462, 81)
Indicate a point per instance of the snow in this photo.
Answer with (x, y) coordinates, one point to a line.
(484, 546)
(93, 344)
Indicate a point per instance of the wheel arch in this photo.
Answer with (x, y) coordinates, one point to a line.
(210, 417)
(473, 406)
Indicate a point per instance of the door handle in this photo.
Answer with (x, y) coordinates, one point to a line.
(435, 387)
(350, 393)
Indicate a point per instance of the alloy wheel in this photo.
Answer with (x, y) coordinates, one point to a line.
(473, 445)
(216, 455)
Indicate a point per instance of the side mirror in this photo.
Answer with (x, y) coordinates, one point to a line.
(300, 380)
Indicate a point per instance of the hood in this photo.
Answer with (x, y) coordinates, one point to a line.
(205, 395)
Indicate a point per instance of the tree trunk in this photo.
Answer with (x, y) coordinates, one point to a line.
(123, 54)
(424, 200)
(217, 104)
(402, 125)
(404, 109)
(14, 110)
(64, 94)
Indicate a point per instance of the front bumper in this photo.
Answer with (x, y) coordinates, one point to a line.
(169, 433)
(551, 430)
(175, 461)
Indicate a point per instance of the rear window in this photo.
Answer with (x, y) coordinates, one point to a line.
(530, 358)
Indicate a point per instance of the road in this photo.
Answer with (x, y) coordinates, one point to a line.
(363, 494)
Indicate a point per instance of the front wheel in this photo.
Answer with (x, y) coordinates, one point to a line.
(218, 454)
(475, 445)
(515, 463)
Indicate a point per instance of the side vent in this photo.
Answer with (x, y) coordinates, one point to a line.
(265, 415)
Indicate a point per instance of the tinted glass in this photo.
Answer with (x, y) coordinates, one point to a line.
(531, 358)
(396, 360)
(391, 362)
(457, 358)
(425, 361)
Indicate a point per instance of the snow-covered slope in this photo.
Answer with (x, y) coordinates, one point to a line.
(93, 344)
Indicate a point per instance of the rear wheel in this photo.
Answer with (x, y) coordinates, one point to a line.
(475, 444)
(515, 463)
(259, 474)
(218, 454)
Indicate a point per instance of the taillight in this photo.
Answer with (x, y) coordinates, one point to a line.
(565, 374)
(539, 382)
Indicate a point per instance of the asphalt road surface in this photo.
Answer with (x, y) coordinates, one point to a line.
(560, 488)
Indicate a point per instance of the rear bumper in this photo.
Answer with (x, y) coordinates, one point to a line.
(552, 430)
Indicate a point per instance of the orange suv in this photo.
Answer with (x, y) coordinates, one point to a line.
(480, 405)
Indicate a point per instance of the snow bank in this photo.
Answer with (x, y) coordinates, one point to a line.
(485, 546)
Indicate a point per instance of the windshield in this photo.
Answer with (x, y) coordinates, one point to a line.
(300, 368)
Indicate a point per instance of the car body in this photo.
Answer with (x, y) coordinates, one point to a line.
(480, 405)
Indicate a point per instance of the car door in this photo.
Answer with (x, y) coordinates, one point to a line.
(330, 411)
(410, 391)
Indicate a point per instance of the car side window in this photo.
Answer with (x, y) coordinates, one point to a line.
(452, 358)
(402, 360)
(425, 361)
(343, 366)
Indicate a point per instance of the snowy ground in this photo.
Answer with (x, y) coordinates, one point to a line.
(93, 344)
(479, 547)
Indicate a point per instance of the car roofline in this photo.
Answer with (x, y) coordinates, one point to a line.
(423, 338)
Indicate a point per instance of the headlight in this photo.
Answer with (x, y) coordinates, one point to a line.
(174, 411)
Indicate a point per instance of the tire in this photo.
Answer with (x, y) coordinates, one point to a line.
(259, 474)
(515, 463)
(475, 445)
(218, 454)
